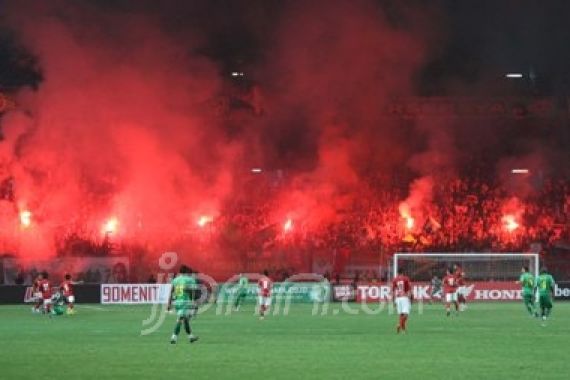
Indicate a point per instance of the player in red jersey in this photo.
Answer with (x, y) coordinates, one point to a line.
(37, 294)
(461, 290)
(401, 291)
(66, 289)
(264, 285)
(450, 291)
(45, 289)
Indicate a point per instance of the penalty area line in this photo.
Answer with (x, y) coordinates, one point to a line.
(93, 308)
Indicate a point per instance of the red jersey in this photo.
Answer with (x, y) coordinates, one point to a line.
(45, 288)
(264, 284)
(449, 284)
(459, 276)
(36, 286)
(460, 279)
(67, 288)
(401, 286)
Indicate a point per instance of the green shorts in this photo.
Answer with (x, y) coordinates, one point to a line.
(184, 309)
(545, 301)
(528, 298)
(242, 294)
(59, 309)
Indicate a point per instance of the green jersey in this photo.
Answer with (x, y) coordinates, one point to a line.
(545, 284)
(527, 283)
(58, 309)
(243, 282)
(182, 287)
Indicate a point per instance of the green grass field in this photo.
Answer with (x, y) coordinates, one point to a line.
(493, 341)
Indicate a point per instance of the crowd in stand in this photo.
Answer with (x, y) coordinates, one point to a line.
(462, 215)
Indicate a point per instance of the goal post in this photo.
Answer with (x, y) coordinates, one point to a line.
(477, 266)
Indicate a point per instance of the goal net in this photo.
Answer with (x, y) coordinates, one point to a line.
(477, 266)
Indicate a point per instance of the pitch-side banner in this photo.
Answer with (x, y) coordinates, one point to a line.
(29, 295)
(478, 291)
(562, 291)
(137, 294)
(342, 293)
(293, 291)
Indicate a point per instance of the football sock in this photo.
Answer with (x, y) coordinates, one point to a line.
(187, 326)
(177, 328)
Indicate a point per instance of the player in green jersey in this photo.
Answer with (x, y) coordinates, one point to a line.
(182, 294)
(58, 302)
(241, 291)
(527, 282)
(545, 287)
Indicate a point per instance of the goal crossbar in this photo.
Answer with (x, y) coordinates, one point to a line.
(532, 256)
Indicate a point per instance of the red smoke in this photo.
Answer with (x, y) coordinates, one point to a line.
(513, 211)
(134, 134)
(328, 73)
(119, 127)
(125, 125)
(416, 205)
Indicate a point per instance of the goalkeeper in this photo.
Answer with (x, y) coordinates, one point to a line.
(436, 291)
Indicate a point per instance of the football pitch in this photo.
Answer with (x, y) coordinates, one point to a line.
(489, 340)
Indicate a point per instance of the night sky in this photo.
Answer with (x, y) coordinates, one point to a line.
(476, 42)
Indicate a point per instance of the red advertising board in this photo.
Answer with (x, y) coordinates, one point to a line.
(477, 291)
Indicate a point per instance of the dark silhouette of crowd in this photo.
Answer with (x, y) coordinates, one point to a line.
(462, 215)
(459, 215)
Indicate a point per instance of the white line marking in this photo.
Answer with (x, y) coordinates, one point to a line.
(93, 308)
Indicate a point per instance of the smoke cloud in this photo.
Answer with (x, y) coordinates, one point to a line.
(131, 120)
